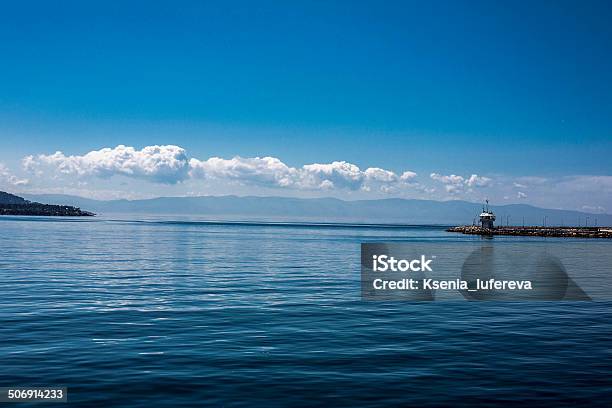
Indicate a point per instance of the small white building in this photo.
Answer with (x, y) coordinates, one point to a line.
(487, 217)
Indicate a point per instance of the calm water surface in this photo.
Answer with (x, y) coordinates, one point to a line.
(168, 312)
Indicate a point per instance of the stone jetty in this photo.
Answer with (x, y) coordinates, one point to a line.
(569, 232)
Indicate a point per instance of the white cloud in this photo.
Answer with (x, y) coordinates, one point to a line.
(477, 181)
(521, 195)
(377, 174)
(340, 174)
(256, 170)
(408, 175)
(170, 164)
(167, 164)
(452, 179)
(9, 178)
(455, 184)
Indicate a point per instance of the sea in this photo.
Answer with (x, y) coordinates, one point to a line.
(141, 311)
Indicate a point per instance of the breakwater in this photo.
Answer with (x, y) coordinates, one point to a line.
(569, 232)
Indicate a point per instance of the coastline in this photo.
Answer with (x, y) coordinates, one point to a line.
(37, 209)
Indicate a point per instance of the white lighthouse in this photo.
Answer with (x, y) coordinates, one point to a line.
(487, 217)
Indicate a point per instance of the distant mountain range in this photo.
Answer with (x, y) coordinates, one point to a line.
(393, 210)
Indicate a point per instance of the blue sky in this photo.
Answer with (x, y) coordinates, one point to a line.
(504, 91)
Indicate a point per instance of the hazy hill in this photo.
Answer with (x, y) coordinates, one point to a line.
(329, 209)
(6, 198)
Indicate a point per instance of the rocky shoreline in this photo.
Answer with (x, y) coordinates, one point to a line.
(564, 232)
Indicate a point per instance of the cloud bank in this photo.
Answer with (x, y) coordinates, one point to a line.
(170, 164)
